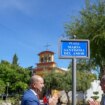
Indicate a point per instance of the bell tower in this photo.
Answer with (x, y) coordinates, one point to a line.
(46, 62)
(46, 56)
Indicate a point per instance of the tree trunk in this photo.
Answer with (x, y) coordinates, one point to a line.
(84, 96)
(68, 103)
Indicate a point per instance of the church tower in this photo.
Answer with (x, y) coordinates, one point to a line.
(46, 62)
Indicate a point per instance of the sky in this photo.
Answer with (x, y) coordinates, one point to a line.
(27, 26)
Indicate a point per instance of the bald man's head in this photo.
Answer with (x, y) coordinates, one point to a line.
(35, 78)
(36, 82)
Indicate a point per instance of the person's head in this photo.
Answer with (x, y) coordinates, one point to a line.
(102, 83)
(36, 83)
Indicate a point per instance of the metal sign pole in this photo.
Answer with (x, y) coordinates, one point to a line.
(74, 48)
(74, 81)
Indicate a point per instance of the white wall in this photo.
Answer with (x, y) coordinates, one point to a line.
(95, 86)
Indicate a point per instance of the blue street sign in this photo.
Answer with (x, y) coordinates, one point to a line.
(74, 49)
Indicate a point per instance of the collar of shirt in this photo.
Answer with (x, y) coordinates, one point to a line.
(34, 92)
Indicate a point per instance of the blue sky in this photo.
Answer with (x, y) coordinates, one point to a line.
(27, 26)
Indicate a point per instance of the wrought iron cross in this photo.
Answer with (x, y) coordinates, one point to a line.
(47, 46)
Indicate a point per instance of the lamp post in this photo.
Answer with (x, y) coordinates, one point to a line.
(7, 89)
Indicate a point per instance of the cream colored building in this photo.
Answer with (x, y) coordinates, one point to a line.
(46, 64)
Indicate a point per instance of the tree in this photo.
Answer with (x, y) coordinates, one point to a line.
(2, 86)
(67, 83)
(17, 77)
(90, 25)
(53, 80)
(83, 65)
(58, 81)
(15, 60)
(84, 80)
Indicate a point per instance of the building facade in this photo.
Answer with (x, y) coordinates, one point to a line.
(46, 64)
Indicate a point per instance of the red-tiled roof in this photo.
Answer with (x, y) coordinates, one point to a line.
(46, 63)
(46, 52)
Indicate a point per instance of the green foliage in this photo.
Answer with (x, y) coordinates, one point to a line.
(84, 80)
(84, 65)
(16, 77)
(15, 100)
(96, 92)
(15, 60)
(60, 81)
(95, 97)
(53, 80)
(67, 81)
(2, 86)
(90, 25)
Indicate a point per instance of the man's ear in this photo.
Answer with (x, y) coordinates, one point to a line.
(34, 85)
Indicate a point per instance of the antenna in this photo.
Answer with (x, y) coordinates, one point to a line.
(47, 46)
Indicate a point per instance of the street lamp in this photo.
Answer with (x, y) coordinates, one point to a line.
(7, 89)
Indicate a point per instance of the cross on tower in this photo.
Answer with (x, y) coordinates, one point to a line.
(47, 45)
